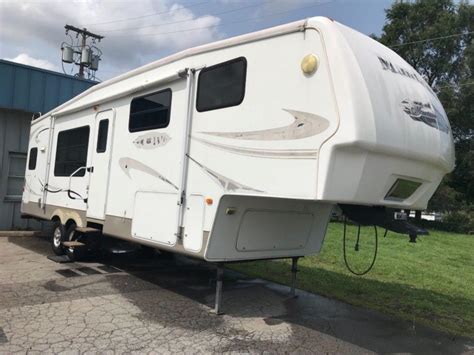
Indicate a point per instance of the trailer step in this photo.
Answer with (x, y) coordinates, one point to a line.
(87, 230)
(59, 258)
(73, 243)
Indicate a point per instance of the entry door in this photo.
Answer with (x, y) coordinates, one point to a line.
(100, 164)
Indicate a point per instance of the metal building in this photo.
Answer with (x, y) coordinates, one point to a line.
(24, 91)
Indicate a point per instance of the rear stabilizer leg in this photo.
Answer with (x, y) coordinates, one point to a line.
(294, 270)
(219, 283)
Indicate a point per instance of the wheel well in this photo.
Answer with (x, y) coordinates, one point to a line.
(69, 222)
(56, 219)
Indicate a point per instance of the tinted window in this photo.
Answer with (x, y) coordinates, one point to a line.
(222, 85)
(33, 157)
(71, 151)
(150, 112)
(102, 136)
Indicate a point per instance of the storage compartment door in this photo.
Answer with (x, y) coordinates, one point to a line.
(194, 222)
(155, 217)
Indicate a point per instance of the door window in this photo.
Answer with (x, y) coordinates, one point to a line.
(102, 136)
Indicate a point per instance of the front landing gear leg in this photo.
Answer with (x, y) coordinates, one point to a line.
(294, 270)
(219, 282)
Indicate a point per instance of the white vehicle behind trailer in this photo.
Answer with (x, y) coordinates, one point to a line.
(239, 149)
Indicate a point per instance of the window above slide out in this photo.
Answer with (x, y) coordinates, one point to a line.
(150, 112)
(222, 85)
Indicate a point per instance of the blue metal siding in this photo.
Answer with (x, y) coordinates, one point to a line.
(51, 92)
(65, 90)
(6, 92)
(36, 99)
(36, 90)
(20, 88)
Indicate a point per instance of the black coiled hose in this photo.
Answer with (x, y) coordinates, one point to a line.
(357, 249)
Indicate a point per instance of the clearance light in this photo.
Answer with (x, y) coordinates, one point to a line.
(209, 201)
(309, 64)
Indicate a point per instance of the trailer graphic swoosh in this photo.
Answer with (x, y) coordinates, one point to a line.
(264, 153)
(36, 132)
(226, 183)
(128, 164)
(305, 125)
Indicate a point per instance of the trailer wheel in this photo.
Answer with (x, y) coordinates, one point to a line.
(166, 255)
(73, 253)
(59, 236)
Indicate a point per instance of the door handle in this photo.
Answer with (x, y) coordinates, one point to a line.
(90, 169)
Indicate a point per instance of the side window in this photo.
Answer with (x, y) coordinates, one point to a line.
(222, 85)
(33, 157)
(71, 151)
(102, 136)
(150, 111)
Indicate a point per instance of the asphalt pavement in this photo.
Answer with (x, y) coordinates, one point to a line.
(128, 303)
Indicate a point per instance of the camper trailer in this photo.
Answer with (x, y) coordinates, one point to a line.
(239, 149)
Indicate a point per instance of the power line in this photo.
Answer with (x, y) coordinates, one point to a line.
(143, 16)
(182, 21)
(270, 15)
(219, 25)
(431, 39)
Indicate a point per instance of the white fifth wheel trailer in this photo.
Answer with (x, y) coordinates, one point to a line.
(239, 149)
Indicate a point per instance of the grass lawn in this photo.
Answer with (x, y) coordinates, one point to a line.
(430, 282)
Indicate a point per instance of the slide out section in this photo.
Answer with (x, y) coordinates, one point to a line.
(251, 227)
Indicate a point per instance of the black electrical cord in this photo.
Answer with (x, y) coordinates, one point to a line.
(357, 249)
(69, 192)
(52, 191)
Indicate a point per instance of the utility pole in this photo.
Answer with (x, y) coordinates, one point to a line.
(85, 34)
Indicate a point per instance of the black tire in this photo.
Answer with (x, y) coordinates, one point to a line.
(58, 237)
(166, 255)
(73, 253)
(147, 252)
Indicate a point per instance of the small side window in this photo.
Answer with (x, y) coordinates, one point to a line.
(33, 157)
(102, 136)
(150, 111)
(222, 85)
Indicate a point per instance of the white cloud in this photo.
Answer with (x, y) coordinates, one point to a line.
(24, 58)
(36, 29)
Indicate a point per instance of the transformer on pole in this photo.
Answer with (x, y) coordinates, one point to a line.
(85, 55)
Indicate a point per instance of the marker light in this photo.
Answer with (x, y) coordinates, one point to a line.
(309, 64)
(209, 201)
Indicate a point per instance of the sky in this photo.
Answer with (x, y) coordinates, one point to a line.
(138, 32)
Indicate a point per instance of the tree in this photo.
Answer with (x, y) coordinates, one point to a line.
(436, 38)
